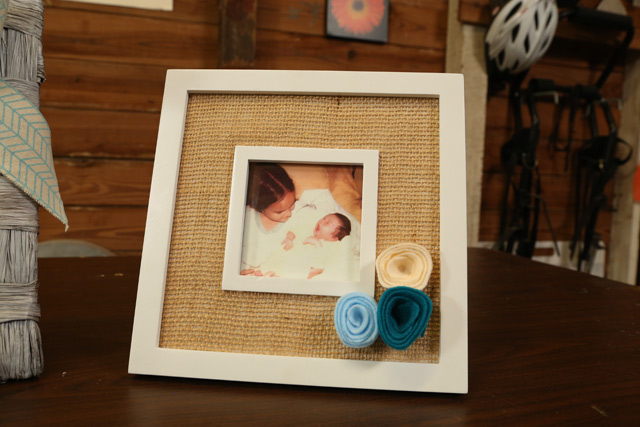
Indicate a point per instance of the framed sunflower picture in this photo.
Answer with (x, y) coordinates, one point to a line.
(358, 19)
(308, 228)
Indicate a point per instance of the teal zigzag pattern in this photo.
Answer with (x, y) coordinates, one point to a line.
(25, 150)
(3, 10)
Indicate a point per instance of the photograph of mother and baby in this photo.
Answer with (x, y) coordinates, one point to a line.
(299, 237)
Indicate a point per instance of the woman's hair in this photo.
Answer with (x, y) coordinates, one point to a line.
(268, 183)
(345, 226)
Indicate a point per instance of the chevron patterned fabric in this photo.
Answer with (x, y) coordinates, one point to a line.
(25, 150)
(4, 6)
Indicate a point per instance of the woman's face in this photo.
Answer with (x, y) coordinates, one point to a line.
(280, 211)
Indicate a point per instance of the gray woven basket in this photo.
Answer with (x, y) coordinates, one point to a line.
(22, 66)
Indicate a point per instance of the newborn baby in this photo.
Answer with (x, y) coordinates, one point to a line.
(332, 227)
(312, 255)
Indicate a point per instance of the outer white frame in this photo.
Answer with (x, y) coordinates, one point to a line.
(233, 281)
(450, 375)
(140, 4)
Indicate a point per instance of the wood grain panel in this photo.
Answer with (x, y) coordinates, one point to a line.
(568, 74)
(418, 24)
(95, 182)
(558, 191)
(562, 221)
(500, 127)
(549, 161)
(183, 10)
(421, 24)
(115, 228)
(566, 71)
(501, 117)
(133, 87)
(92, 36)
(278, 50)
(237, 36)
(579, 53)
(77, 132)
(98, 85)
(304, 17)
(477, 12)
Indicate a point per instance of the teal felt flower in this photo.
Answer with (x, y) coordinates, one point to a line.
(403, 315)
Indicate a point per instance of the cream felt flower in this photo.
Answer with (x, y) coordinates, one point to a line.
(404, 264)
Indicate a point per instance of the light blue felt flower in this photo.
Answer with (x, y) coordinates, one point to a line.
(355, 320)
(403, 315)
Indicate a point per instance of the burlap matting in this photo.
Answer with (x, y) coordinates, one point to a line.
(198, 314)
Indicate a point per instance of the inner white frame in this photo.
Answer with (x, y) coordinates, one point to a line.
(449, 375)
(233, 281)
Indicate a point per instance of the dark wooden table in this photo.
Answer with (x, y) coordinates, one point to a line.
(547, 346)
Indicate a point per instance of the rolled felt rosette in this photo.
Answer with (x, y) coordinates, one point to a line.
(404, 264)
(355, 320)
(403, 315)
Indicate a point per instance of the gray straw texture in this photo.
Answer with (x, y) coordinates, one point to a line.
(17, 211)
(21, 60)
(20, 346)
(19, 301)
(22, 66)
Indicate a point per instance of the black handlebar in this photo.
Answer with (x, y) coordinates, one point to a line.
(601, 19)
(606, 21)
(588, 93)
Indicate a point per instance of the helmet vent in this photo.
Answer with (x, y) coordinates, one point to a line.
(514, 32)
(513, 11)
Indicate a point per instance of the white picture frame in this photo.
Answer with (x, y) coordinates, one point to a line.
(450, 375)
(232, 280)
(166, 5)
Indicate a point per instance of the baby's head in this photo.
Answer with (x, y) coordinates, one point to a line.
(332, 227)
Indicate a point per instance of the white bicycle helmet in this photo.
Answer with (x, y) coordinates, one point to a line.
(520, 34)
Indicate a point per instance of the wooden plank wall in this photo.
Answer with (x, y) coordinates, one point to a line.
(105, 76)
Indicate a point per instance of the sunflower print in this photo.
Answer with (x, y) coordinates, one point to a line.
(358, 16)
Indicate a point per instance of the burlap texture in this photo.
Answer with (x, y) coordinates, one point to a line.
(198, 314)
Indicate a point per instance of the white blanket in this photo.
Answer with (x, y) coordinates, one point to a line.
(337, 260)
